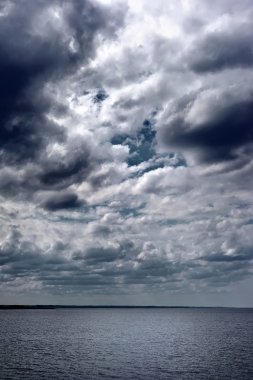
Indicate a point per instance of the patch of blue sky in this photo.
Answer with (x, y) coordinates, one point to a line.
(172, 222)
(73, 220)
(83, 214)
(100, 96)
(142, 150)
(141, 147)
(132, 211)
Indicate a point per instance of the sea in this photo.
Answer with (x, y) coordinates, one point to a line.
(127, 343)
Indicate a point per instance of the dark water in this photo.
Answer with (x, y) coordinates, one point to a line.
(126, 344)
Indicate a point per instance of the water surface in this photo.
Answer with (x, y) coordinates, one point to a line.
(146, 344)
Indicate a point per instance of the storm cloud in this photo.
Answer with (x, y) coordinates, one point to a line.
(223, 49)
(215, 123)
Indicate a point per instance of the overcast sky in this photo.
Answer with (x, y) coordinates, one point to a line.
(126, 144)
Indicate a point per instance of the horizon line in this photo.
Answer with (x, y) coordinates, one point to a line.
(69, 306)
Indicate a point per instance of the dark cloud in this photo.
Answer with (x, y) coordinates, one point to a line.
(228, 258)
(227, 127)
(220, 274)
(22, 258)
(62, 201)
(157, 268)
(61, 172)
(40, 43)
(223, 50)
(56, 172)
(9, 183)
(113, 266)
(223, 258)
(100, 254)
(26, 61)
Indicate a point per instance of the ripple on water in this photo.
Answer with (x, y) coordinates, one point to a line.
(126, 344)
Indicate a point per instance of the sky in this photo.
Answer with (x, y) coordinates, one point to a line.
(126, 152)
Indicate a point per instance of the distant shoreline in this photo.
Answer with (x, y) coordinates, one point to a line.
(39, 307)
